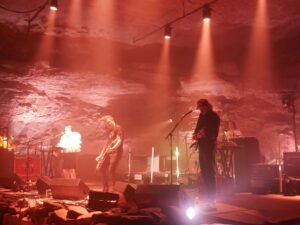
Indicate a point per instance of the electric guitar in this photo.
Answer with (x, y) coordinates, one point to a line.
(196, 137)
(106, 151)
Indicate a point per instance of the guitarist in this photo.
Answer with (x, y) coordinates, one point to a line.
(205, 134)
(110, 156)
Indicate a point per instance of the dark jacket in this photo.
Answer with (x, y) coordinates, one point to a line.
(209, 123)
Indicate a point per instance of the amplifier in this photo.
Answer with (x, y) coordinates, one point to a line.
(291, 164)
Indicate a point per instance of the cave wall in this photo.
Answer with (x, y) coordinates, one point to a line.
(79, 79)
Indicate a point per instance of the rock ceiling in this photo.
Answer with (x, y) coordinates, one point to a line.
(128, 20)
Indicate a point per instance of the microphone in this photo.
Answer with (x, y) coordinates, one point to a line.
(189, 112)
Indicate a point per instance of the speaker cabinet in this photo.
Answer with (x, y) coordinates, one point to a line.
(246, 154)
(152, 195)
(42, 184)
(74, 189)
(291, 164)
(14, 182)
(127, 189)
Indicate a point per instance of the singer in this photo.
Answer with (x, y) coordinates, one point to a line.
(205, 134)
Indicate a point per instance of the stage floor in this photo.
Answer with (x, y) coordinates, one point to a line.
(241, 208)
(246, 208)
(249, 208)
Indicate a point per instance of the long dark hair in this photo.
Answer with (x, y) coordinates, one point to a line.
(205, 102)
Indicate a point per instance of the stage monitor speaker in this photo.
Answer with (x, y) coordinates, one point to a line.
(42, 184)
(14, 182)
(291, 164)
(127, 189)
(73, 189)
(155, 195)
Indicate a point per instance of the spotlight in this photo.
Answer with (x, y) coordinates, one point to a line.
(53, 5)
(206, 12)
(190, 213)
(168, 31)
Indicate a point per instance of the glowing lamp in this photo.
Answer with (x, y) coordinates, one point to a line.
(190, 213)
(53, 5)
(168, 32)
(206, 12)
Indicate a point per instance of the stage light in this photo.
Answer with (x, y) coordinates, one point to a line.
(190, 213)
(53, 5)
(168, 31)
(206, 12)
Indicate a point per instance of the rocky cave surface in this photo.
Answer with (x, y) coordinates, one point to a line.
(88, 65)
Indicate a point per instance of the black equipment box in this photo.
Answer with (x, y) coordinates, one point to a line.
(291, 164)
(102, 201)
(291, 186)
(264, 186)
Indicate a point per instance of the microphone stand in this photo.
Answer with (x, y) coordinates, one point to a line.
(294, 124)
(129, 164)
(30, 143)
(27, 163)
(170, 136)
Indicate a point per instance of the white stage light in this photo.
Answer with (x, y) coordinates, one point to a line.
(190, 213)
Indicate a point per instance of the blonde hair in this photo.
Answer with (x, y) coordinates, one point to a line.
(108, 119)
